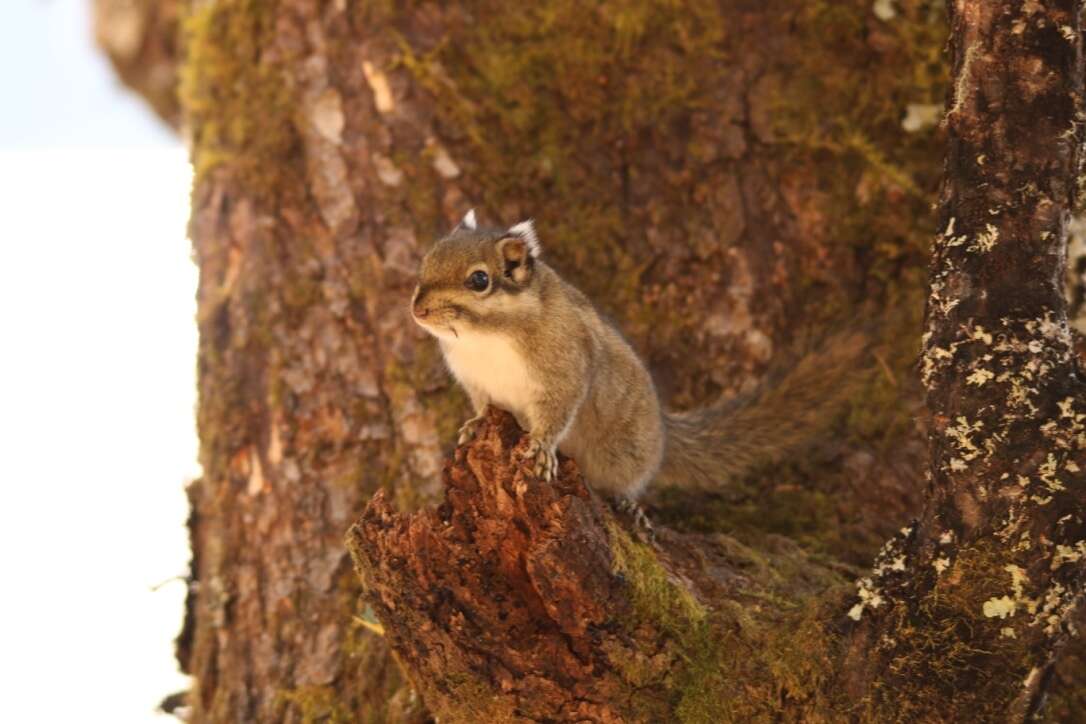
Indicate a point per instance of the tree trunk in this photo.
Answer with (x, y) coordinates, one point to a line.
(726, 181)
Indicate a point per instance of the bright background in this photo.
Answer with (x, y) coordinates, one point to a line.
(97, 382)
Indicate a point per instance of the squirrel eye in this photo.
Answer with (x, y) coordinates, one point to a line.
(478, 281)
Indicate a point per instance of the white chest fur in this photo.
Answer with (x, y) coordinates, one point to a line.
(491, 364)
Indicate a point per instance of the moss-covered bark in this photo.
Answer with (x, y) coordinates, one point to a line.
(726, 180)
(983, 594)
(519, 600)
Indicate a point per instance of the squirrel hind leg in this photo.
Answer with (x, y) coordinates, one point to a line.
(616, 463)
(624, 475)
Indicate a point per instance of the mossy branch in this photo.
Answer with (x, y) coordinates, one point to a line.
(522, 600)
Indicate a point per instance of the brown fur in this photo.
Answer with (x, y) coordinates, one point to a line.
(728, 439)
(533, 344)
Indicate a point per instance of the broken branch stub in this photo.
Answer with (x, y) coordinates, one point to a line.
(503, 601)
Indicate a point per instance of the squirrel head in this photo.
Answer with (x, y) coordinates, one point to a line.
(476, 278)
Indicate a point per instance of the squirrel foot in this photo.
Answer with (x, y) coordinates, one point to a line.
(543, 459)
(633, 509)
(468, 430)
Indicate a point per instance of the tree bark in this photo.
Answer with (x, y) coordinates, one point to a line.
(725, 180)
(142, 41)
(993, 568)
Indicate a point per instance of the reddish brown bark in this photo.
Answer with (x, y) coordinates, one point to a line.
(509, 581)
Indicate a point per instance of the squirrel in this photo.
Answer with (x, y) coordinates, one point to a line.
(516, 335)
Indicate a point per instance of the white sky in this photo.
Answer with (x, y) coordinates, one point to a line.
(96, 380)
(57, 89)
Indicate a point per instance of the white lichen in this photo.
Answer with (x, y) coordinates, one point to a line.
(979, 377)
(869, 596)
(884, 10)
(986, 240)
(999, 607)
(921, 116)
(1068, 554)
(1007, 605)
(981, 335)
(961, 433)
(1019, 579)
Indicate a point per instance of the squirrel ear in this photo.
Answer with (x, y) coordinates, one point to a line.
(517, 259)
(526, 231)
(468, 222)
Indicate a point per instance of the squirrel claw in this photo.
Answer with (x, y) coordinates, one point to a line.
(468, 430)
(543, 460)
(633, 509)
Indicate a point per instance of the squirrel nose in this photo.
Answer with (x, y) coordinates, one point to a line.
(419, 309)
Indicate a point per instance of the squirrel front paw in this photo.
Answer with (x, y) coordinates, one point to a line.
(543, 459)
(468, 430)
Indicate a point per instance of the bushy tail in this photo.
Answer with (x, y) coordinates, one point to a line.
(708, 447)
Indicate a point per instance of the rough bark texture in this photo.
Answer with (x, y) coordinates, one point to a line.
(532, 586)
(992, 573)
(725, 180)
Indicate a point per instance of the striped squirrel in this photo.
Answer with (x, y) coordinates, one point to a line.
(516, 335)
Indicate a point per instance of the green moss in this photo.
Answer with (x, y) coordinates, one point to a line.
(656, 598)
(235, 93)
(947, 656)
(688, 660)
(879, 180)
(316, 704)
(755, 659)
(524, 93)
(822, 108)
(475, 701)
(519, 94)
